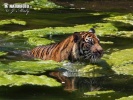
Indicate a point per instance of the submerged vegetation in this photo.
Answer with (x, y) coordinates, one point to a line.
(22, 33)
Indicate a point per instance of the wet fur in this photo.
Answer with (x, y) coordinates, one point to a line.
(63, 50)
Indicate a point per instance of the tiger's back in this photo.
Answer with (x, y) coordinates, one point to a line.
(58, 51)
(40, 51)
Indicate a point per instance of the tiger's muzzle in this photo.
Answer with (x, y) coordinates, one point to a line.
(96, 53)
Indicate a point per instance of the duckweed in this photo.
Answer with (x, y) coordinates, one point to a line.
(121, 61)
(38, 4)
(127, 18)
(18, 80)
(93, 93)
(29, 67)
(12, 21)
(2, 53)
(126, 98)
(103, 29)
(9, 73)
(39, 41)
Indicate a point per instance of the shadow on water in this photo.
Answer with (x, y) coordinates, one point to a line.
(50, 18)
(118, 43)
(123, 26)
(12, 27)
(28, 92)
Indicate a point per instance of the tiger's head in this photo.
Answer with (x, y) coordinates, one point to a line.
(87, 46)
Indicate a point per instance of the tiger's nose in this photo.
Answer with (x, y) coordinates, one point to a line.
(98, 49)
(100, 52)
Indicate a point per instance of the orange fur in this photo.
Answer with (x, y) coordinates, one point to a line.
(68, 49)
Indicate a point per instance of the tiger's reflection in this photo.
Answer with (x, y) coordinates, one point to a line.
(77, 83)
(67, 82)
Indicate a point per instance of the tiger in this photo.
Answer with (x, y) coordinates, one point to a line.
(79, 46)
(67, 82)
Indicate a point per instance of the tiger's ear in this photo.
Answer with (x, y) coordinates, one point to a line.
(76, 36)
(92, 30)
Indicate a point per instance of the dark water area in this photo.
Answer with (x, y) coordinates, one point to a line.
(55, 93)
(73, 85)
(98, 5)
(73, 88)
(15, 1)
(91, 5)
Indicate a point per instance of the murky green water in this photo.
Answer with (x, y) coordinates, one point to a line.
(75, 86)
(103, 83)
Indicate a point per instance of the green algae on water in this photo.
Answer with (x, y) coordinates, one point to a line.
(32, 67)
(9, 73)
(3, 53)
(12, 21)
(126, 98)
(18, 80)
(93, 93)
(121, 61)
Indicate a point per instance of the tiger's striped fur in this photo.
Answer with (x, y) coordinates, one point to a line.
(80, 45)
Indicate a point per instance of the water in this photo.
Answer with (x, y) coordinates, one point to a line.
(10, 1)
(29, 92)
(74, 84)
